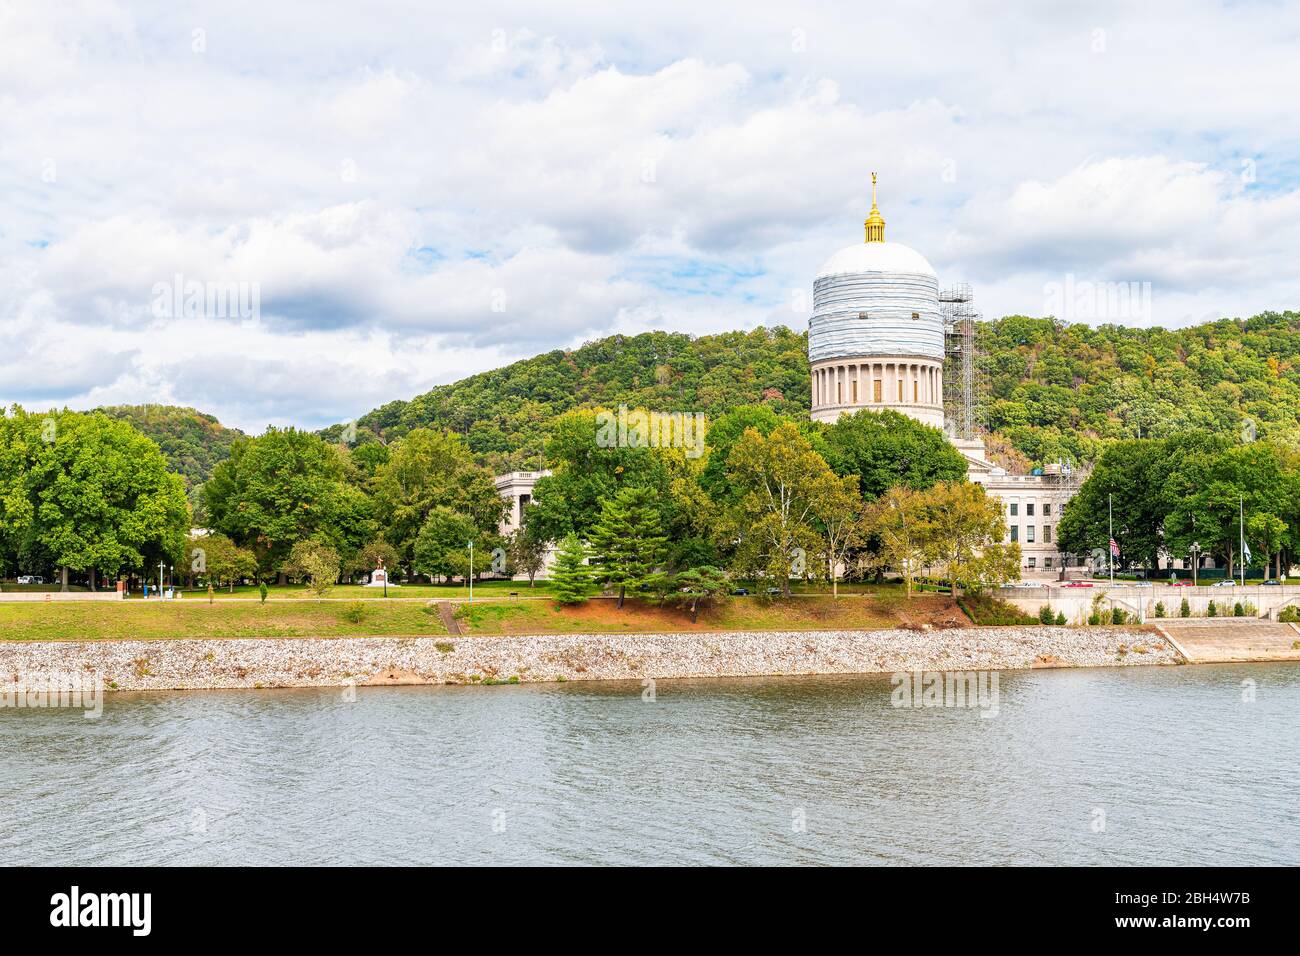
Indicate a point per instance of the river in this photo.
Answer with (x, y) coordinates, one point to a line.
(1134, 765)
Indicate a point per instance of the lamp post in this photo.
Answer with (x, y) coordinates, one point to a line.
(1110, 523)
(161, 565)
(471, 573)
(1196, 560)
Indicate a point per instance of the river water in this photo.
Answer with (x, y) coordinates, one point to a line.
(1134, 765)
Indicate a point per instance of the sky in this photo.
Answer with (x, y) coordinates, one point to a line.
(290, 213)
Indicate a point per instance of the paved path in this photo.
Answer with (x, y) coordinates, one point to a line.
(448, 616)
(1208, 640)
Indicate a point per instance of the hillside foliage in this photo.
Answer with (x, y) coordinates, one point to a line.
(1052, 390)
(191, 441)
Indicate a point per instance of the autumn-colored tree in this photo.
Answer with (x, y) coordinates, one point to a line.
(782, 480)
(900, 518)
(967, 533)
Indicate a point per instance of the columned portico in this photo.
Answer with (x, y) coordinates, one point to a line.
(911, 385)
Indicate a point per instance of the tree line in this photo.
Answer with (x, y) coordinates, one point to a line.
(774, 498)
(1168, 494)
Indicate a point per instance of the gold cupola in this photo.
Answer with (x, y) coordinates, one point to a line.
(875, 222)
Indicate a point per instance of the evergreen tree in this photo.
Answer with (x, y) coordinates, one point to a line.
(571, 579)
(628, 541)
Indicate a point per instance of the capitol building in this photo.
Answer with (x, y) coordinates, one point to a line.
(877, 340)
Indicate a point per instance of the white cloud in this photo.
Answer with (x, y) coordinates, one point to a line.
(420, 197)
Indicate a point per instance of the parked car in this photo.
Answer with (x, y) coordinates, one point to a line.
(1224, 584)
(773, 592)
(30, 579)
(1139, 584)
(1180, 584)
(1077, 584)
(740, 592)
(1272, 582)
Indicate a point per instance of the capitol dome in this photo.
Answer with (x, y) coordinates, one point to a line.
(876, 257)
(875, 339)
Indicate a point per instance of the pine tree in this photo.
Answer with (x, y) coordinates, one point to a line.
(628, 541)
(571, 579)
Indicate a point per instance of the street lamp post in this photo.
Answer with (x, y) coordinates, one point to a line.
(1196, 560)
(161, 565)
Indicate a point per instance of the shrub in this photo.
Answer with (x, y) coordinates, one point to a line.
(1238, 610)
(1160, 608)
(1185, 609)
(1118, 615)
(1290, 615)
(1060, 618)
(1094, 618)
(261, 590)
(1212, 610)
(355, 611)
(984, 609)
(1045, 615)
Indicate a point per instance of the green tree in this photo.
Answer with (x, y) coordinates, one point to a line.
(284, 487)
(701, 586)
(527, 551)
(967, 536)
(372, 556)
(781, 479)
(628, 543)
(216, 558)
(885, 449)
(1266, 533)
(571, 577)
(426, 470)
(900, 519)
(316, 563)
(98, 496)
(838, 509)
(442, 546)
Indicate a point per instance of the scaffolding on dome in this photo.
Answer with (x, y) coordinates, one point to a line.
(962, 392)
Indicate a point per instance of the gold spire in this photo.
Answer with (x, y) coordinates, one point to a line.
(875, 223)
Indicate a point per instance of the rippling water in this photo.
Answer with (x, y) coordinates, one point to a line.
(709, 772)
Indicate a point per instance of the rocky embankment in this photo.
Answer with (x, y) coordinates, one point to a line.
(211, 664)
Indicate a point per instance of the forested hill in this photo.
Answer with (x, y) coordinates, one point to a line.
(1051, 390)
(191, 441)
(506, 413)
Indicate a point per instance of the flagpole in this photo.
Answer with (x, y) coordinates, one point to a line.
(1110, 544)
(1241, 523)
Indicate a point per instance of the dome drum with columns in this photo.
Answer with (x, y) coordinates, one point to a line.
(875, 339)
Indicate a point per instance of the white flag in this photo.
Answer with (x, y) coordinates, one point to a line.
(1245, 553)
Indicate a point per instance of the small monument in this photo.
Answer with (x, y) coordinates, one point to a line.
(379, 578)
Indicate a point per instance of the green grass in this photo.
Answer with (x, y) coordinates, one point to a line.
(197, 619)
(358, 592)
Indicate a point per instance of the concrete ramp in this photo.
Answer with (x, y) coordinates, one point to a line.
(1211, 640)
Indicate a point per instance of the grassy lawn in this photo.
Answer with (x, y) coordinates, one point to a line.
(358, 592)
(139, 620)
(190, 618)
(737, 614)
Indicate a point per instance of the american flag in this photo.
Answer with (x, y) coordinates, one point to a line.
(1114, 548)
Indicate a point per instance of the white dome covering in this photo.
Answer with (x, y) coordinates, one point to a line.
(891, 257)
